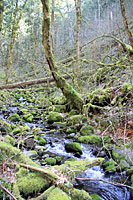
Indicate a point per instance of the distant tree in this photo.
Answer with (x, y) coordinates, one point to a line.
(1, 18)
(15, 26)
(123, 12)
(78, 24)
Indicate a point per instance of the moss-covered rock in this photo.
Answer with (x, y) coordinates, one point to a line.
(126, 87)
(110, 166)
(14, 118)
(54, 117)
(90, 139)
(41, 140)
(76, 119)
(50, 161)
(58, 194)
(95, 197)
(5, 127)
(73, 147)
(17, 130)
(86, 130)
(28, 117)
(122, 153)
(58, 108)
(80, 195)
(10, 140)
(58, 159)
(70, 130)
(31, 182)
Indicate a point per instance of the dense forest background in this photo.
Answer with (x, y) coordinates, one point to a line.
(21, 52)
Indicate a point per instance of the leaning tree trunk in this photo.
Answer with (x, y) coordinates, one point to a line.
(123, 13)
(1, 18)
(71, 95)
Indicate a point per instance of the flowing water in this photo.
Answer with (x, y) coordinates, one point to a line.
(55, 145)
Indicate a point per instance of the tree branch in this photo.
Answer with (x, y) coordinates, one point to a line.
(95, 179)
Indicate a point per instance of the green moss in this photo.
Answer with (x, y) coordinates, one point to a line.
(14, 118)
(79, 166)
(28, 117)
(95, 197)
(30, 182)
(50, 161)
(90, 139)
(24, 110)
(126, 87)
(4, 126)
(10, 140)
(58, 159)
(107, 139)
(80, 195)
(61, 100)
(73, 147)
(41, 140)
(5, 184)
(54, 117)
(76, 119)
(57, 194)
(86, 130)
(70, 130)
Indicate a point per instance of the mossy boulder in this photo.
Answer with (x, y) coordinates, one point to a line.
(70, 130)
(41, 141)
(10, 140)
(5, 127)
(50, 161)
(58, 108)
(76, 119)
(54, 117)
(92, 139)
(80, 195)
(73, 147)
(122, 153)
(17, 130)
(110, 166)
(86, 130)
(30, 182)
(61, 100)
(126, 87)
(95, 196)
(14, 118)
(28, 117)
(57, 194)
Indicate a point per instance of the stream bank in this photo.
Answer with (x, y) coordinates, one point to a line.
(45, 139)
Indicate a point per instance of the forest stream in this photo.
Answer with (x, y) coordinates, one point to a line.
(55, 146)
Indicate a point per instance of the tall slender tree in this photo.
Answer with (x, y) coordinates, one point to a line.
(78, 24)
(71, 95)
(1, 18)
(15, 25)
(123, 12)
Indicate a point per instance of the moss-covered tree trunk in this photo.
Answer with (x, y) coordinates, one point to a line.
(1, 18)
(123, 12)
(78, 24)
(71, 95)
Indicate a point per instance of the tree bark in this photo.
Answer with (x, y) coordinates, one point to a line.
(78, 23)
(123, 12)
(71, 95)
(1, 18)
